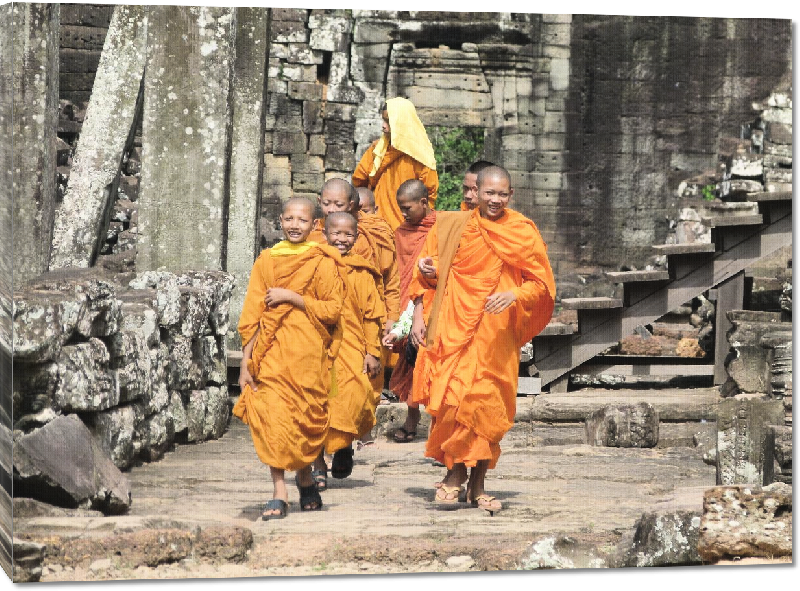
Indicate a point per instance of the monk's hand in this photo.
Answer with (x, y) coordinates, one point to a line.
(418, 331)
(389, 339)
(278, 295)
(426, 268)
(497, 302)
(387, 327)
(371, 366)
(245, 379)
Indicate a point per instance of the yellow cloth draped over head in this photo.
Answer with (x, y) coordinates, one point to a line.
(407, 135)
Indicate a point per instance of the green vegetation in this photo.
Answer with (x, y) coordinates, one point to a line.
(455, 149)
(709, 192)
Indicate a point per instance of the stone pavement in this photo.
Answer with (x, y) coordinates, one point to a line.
(381, 519)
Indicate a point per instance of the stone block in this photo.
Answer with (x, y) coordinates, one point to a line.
(345, 94)
(288, 142)
(633, 425)
(157, 434)
(81, 37)
(777, 115)
(86, 383)
(316, 145)
(740, 522)
(329, 34)
(340, 157)
(302, 163)
(293, 31)
(28, 558)
(289, 14)
(312, 117)
(168, 295)
(42, 322)
(304, 91)
(129, 358)
(62, 464)
(299, 73)
(307, 182)
(665, 539)
(778, 133)
(340, 111)
(373, 31)
(115, 430)
(185, 369)
(207, 413)
(743, 435)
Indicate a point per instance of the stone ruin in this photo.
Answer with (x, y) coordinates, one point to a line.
(141, 363)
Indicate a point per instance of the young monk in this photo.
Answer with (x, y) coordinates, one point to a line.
(366, 200)
(288, 322)
(403, 152)
(375, 243)
(469, 187)
(351, 400)
(418, 219)
(494, 292)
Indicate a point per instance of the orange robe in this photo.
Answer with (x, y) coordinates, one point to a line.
(396, 168)
(352, 400)
(375, 243)
(467, 376)
(409, 240)
(292, 355)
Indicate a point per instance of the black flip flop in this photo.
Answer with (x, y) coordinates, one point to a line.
(308, 495)
(275, 505)
(320, 479)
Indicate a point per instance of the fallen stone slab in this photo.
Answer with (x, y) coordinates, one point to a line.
(741, 521)
(43, 321)
(61, 463)
(151, 547)
(630, 425)
(671, 405)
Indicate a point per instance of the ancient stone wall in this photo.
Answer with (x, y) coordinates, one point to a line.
(83, 32)
(141, 361)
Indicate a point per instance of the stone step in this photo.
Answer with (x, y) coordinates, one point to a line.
(556, 329)
(733, 220)
(770, 196)
(678, 405)
(685, 249)
(631, 276)
(591, 303)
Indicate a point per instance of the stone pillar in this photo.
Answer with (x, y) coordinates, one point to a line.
(29, 36)
(186, 138)
(83, 216)
(743, 433)
(247, 149)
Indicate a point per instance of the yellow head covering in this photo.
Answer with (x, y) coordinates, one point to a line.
(286, 248)
(407, 135)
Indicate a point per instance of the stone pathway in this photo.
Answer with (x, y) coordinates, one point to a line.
(381, 518)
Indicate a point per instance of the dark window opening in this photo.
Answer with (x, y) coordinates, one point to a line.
(324, 69)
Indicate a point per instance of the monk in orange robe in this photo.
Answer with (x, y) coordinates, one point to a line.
(412, 199)
(288, 324)
(375, 243)
(493, 293)
(351, 399)
(403, 152)
(366, 200)
(469, 186)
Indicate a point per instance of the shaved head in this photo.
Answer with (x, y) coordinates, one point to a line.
(340, 217)
(413, 189)
(338, 186)
(494, 172)
(301, 201)
(366, 197)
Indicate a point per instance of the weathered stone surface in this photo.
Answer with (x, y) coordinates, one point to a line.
(247, 141)
(220, 285)
(749, 368)
(129, 356)
(623, 426)
(86, 383)
(668, 539)
(156, 433)
(43, 321)
(207, 413)
(29, 101)
(176, 410)
(779, 453)
(28, 557)
(87, 203)
(34, 386)
(739, 522)
(195, 307)
(185, 369)
(168, 295)
(185, 136)
(230, 544)
(142, 319)
(115, 429)
(61, 464)
(101, 314)
(743, 426)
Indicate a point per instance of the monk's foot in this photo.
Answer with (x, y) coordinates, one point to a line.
(310, 500)
(342, 464)
(274, 509)
(403, 435)
(488, 503)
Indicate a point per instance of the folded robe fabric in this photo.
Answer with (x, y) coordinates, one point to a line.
(352, 400)
(292, 355)
(466, 376)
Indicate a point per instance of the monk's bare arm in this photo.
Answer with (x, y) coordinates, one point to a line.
(280, 295)
(418, 329)
(245, 378)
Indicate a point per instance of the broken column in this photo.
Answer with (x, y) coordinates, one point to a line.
(247, 149)
(29, 36)
(185, 138)
(83, 216)
(744, 432)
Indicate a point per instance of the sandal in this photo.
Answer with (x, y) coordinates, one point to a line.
(309, 497)
(402, 436)
(487, 503)
(342, 464)
(448, 495)
(320, 479)
(274, 505)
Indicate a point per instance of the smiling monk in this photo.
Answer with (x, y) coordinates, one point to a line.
(288, 324)
(494, 292)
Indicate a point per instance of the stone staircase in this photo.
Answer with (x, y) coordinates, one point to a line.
(737, 242)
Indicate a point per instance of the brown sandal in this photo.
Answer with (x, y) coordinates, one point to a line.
(487, 503)
(401, 435)
(445, 495)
